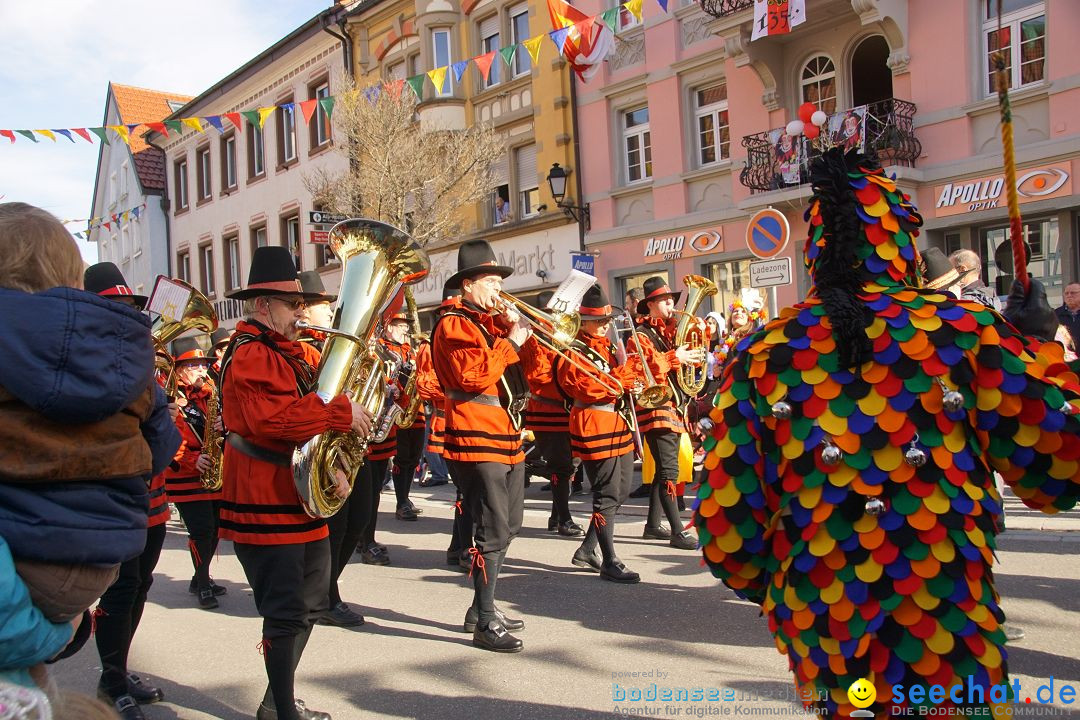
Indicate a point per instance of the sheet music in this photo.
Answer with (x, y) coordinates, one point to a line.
(168, 299)
(567, 297)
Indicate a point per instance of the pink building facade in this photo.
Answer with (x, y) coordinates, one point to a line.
(682, 136)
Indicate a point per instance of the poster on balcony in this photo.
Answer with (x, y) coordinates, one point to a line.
(777, 17)
(787, 149)
(848, 129)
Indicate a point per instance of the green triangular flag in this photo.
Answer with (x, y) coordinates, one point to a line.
(100, 132)
(416, 82)
(27, 134)
(327, 104)
(610, 17)
(252, 116)
(174, 125)
(508, 54)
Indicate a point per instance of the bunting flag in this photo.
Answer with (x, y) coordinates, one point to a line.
(46, 133)
(100, 132)
(193, 123)
(634, 8)
(159, 128)
(559, 37)
(175, 125)
(395, 87)
(215, 121)
(81, 132)
(8, 134)
(611, 17)
(438, 79)
(508, 55)
(585, 43)
(106, 221)
(327, 104)
(371, 94)
(416, 82)
(460, 67)
(234, 118)
(662, 4)
(533, 46)
(65, 133)
(120, 130)
(28, 134)
(307, 109)
(264, 112)
(483, 64)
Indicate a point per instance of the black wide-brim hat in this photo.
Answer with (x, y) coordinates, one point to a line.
(272, 273)
(220, 337)
(312, 284)
(940, 272)
(654, 289)
(106, 280)
(596, 306)
(187, 350)
(477, 258)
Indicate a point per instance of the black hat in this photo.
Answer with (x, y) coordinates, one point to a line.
(272, 273)
(654, 289)
(312, 284)
(940, 272)
(106, 280)
(476, 257)
(595, 305)
(220, 337)
(187, 350)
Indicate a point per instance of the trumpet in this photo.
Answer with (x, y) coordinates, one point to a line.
(557, 332)
(654, 394)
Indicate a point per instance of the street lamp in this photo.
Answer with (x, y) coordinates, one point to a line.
(557, 182)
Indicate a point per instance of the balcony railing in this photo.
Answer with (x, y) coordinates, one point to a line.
(885, 127)
(723, 8)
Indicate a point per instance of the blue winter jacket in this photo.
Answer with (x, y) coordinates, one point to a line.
(74, 362)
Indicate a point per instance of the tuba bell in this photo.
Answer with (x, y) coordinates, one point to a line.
(376, 259)
(691, 378)
(172, 322)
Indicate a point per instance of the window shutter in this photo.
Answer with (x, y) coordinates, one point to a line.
(525, 167)
(489, 26)
(501, 169)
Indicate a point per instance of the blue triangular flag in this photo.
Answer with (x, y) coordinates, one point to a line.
(459, 69)
(65, 133)
(215, 120)
(559, 37)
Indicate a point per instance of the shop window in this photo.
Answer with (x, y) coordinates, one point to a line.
(731, 278)
(871, 77)
(1022, 39)
(713, 134)
(626, 283)
(637, 144)
(1042, 238)
(819, 83)
(952, 243)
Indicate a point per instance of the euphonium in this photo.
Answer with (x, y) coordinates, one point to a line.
(212, 442)
(198, 314)
(691, 378)
(376, 259)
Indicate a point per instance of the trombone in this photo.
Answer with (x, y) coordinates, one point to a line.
(654, 394)
(557, 332)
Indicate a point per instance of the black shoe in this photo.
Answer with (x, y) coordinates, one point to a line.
(341, 616)
(218, 590)
(545, 488)
(496, 639)
(465, 561)
(657, 532)
(640, 491)
(406, 512)
(570, 529)
(591, 562)
(553, 524)
(143, 693)
(683, 541)
(576, 488)
(432, 482)
(681, 503)
(471, 617)
(127, 708)
(269, 713)
(207, 601)
(375, 555)
(452, 557)
(361, 547)
(615, 571)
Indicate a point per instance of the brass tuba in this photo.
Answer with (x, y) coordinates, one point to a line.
(197, 314)
(376, 259)
(691, 378)
(412, 394)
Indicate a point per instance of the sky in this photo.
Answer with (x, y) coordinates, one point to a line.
(57, 59)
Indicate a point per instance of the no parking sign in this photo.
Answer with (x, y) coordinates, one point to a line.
(767, 233)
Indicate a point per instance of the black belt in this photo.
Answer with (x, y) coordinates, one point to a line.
(547, 401)
(274, 457)
(466, 397)
(603, 407)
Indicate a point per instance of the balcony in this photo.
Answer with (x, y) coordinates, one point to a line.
(886, 127)
(723, 8)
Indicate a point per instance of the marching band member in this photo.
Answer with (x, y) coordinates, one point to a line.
(409, 441)
(197, 505)
(269, 407)
(600, 432)
(219, 340)
(662, 427)
(476, 360)
(548, 418)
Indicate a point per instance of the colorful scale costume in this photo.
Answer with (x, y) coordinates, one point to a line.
(857, 506)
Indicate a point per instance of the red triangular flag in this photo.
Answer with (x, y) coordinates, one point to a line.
(83, 134)
(308, 108)
(159, 128)
(234, 118)
(8, 134)
(395, 87)
(106, 226)
(483, 64)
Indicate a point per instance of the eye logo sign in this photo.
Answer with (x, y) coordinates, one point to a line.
(1043, 182)
(988, 192)
(706, 241)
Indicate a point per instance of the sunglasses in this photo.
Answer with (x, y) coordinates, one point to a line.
(297, 304)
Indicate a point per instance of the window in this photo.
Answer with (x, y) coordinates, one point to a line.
(232, 259)
(258, 237)
(228, 161)
(952, 243)
(637, 144)
(124, 172)
(489, 42)
(205, 189)
(206, 265)
(819, 83)
(136, 239)
(627, 19)
(183, 266)
(731, 279)
(320, 129)
(711, 111)
(255, 151)
(499, 209)
(290, 234)
(1023, 23)
(114, 188)
(125, 242)
(528, 185)
(286, 132)
(181, 185)
(519, 32)
(1042, 236)
(440, 40)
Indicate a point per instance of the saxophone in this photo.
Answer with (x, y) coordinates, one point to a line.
(212, 443)
(408, 418)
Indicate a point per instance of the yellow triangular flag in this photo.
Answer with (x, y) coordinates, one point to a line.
(120, 130)
(194, 123)
(634, 6)
(47, 133)
(438, 78)
(264, 112)
(533, 46)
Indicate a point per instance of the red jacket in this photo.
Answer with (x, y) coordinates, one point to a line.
(666, 417)
(265, 400)
(546, 411)
(427, 383)
(184, 483)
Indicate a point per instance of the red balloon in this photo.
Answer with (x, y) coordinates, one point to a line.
(806, 110)
(811, 131)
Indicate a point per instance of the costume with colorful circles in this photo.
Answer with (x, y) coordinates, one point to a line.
(850, 489)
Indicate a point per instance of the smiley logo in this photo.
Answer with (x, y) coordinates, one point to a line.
(862, 693)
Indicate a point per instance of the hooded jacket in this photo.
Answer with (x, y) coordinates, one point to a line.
(82, 426)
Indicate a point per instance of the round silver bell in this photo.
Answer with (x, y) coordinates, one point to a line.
(832, 455)
(915, 457)
(952, 401)
(781, 410)
(874, 506)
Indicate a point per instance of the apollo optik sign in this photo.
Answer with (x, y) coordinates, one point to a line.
(985, 193)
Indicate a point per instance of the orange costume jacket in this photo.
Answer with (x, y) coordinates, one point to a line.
(597, 429)
(183, 481)
(388, 447)
(546, 410)
(408, 357)
(471, 357)
(267, 402)
(657, 340)
(427, 384)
